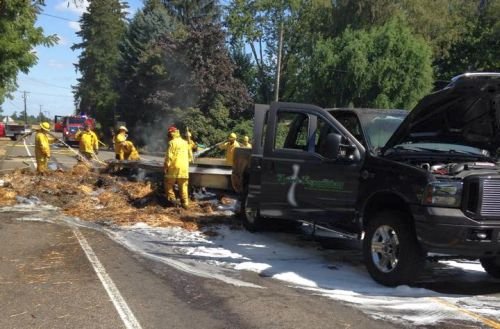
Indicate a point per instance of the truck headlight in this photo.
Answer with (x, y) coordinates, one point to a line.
(445, 194)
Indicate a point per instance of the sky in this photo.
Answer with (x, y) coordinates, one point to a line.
(48, 83)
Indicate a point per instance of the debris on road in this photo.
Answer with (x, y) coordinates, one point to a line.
(99, 197)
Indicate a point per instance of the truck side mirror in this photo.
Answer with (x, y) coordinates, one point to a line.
(332, 146)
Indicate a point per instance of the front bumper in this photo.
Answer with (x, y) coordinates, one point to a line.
(449, 231)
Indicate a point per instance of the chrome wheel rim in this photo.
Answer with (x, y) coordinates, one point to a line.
(385, 249)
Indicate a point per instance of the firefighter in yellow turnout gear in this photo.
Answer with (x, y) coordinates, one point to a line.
(89, 143)
(42, 148)
(129, 151)
(246, 142)
(176, 167)
(120, 137)
(229, 146)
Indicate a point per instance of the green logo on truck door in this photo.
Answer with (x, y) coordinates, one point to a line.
(312, 184)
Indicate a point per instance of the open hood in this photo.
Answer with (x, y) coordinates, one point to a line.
(466, 112)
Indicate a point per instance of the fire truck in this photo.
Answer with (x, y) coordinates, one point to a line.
(71, 125)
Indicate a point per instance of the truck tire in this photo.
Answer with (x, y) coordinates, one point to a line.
(391, 251)
(491, 265)
(250, 217)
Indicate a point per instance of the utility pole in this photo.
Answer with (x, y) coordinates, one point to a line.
(40, 115)
(278, 64)
(25, 111)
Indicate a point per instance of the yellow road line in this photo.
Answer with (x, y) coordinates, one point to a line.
(491, 323)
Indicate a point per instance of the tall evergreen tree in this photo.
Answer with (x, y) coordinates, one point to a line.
(189, 11)
(18, 36)
(102, 28)
(141, 65)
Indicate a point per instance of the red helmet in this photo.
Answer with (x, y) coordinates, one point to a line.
(171, 129)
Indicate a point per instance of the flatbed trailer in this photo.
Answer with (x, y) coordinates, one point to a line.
(205, 172)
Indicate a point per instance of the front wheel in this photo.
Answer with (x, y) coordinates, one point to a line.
(491, 265)
(390, 249)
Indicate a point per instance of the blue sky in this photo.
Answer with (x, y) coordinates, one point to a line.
(49, 82)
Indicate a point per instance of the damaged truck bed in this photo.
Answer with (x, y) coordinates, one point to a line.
(205, 172)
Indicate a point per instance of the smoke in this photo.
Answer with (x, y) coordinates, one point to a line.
(153, 136)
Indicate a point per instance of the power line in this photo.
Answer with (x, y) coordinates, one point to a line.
(17, 107)
(47, 83)
(59, 17)
(44, 94)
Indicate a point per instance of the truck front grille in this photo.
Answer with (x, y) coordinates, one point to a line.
(490, 201)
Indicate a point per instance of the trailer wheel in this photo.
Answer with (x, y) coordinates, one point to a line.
(491, 265)
(390, 249)
(250, 217)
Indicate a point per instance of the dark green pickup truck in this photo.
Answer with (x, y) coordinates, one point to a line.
(409, 184)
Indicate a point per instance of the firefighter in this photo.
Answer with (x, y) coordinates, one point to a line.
(246, 142)
(176, 167)
(130, 152)
(192, 146)
(120, 137)
(89, 143)
(42, 148)
(229, 146)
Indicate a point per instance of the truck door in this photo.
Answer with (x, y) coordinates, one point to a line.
(299, 181)
(285, 151)
(332, 183)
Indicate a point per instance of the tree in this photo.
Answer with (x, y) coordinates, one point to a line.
(385, 67)
(142, 68)
(102, 28)
(263, 25)
(18, 37)
(193, 11)
(479, 47)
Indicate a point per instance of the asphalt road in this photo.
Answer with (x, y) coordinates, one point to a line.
(58, 276)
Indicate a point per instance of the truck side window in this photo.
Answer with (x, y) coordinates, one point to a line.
(291, 131)
(322, 130)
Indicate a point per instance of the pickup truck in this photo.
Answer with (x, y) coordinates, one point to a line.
(410, 185)
(13, 130)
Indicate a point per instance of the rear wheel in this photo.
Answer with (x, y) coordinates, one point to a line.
(491, 265)
(390, 249)
(250, 216)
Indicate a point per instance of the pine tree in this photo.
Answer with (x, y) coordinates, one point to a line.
(142, 62)
(102, 29)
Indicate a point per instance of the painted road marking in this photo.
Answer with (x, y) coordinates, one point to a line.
(491, 323)
(128, 318)
(28, 151)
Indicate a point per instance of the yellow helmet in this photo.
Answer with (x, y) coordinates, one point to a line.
(232, 136)
(45, 126)
(245, 139)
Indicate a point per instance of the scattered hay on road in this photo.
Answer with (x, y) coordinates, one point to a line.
(96, 197)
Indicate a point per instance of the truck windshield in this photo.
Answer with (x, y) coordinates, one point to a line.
(76, 120)
(370, 126)
(380, 127)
